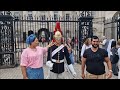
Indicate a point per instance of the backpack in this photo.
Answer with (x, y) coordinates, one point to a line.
(115, 57)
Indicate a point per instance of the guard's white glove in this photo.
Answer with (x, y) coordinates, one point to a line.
(72, 70)
(49, 64)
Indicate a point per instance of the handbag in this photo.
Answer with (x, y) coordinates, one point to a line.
(115, 58)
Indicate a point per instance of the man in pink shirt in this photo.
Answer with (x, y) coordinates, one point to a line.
(32, 59)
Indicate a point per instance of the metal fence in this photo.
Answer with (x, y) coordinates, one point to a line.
(75, 28)
(6, 41)
(24, 26)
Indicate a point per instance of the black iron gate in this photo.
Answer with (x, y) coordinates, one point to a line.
(6, 41)
(13, 33)
(85, 27)
(70, 28)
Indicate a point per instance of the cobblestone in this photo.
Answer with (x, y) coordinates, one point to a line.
(15, 73)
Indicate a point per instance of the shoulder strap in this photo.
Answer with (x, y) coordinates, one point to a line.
(57, 50)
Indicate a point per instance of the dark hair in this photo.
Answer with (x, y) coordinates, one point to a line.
(113, 44)
(94, 37)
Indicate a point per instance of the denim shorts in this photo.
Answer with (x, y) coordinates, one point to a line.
(71, 56)
(35, 73)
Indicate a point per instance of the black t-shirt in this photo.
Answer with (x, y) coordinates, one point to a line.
(95, 61)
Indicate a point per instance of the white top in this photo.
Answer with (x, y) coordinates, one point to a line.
(84, 47)
(104, 41)
(109, 47)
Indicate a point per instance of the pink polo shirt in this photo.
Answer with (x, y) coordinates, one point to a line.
(33, 58)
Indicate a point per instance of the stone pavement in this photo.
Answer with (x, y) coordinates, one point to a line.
(15, 73)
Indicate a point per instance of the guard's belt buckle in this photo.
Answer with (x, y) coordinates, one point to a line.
(57, 61)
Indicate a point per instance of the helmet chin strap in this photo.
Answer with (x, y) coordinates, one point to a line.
(58, 39)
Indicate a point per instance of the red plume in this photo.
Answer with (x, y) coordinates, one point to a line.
(57, 28)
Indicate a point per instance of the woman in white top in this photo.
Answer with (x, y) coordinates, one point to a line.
(109, 47)
(86, 45)
(69, 47)
(118, 43)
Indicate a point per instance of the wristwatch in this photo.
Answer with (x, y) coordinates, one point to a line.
(110, 70)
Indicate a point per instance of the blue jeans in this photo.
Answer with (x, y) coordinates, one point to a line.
(35, 73)
(71, 56)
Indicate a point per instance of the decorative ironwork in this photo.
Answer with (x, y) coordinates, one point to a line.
(85, 27)
(85, 13)
(6, 41)
(13, 43)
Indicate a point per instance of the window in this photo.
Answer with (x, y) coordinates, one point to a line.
(67, 16)
(43, 17)
(1, 12)
(16, 15)
(55, 15)
(93, 13)
(30, 15)
(8, 13)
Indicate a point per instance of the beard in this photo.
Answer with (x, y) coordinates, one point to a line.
(95, 46)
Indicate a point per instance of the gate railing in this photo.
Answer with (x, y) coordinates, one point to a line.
(6, 42)
(24, 26)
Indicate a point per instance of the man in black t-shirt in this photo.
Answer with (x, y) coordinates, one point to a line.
(93, 58)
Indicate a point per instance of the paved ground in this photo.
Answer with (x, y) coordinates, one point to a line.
(15, 73)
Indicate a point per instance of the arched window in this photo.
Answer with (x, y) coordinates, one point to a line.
(16, 15)
(67, 16)
(30, 15)
(55, 15)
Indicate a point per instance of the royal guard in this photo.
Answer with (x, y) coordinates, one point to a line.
(56, 54)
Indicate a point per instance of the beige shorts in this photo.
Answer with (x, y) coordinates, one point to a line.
(92, 76)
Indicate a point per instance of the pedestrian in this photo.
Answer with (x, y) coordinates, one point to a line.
(104, 43)
(114, 49)
(93, 58)
(69, 47)
(109, 47)
(56, 54)
(86, 45)
(32, 59)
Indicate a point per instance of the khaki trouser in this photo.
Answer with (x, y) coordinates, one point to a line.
(92, 76)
